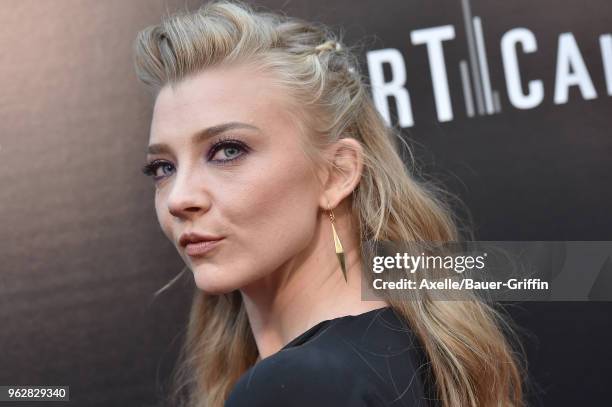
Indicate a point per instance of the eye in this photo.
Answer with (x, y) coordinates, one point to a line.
(227, 150)
(152, 169)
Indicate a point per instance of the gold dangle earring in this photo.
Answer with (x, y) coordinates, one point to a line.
(339, 249)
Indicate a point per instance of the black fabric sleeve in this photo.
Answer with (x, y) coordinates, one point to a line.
(305, 380)
(368, 360)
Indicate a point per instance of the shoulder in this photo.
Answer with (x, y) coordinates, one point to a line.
(362, 362)
(306, 376)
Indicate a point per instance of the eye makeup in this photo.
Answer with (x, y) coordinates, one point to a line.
(225, 144)
(237, 150)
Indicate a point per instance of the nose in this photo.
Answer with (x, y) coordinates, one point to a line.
(188, 197)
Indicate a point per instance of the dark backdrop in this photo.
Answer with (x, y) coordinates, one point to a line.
(82, 253)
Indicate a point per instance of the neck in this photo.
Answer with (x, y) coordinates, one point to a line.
(306, 290)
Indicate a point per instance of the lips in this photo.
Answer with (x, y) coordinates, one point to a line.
(192, 237)
(197, 244)
(201, 248)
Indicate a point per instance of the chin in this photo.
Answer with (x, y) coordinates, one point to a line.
(213, 283)
(212, 286)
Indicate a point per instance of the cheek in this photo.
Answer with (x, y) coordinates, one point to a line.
(274, 214)
(270, 216)
(163, 216)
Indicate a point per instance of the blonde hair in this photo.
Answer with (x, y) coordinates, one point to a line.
(471, 359)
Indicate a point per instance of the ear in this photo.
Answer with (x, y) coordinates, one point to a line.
(343, 172)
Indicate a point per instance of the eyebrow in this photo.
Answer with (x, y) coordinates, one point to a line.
(202, 135)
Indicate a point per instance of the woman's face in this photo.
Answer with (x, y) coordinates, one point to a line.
(227, 162)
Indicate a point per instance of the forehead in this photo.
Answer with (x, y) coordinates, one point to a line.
(219, 95)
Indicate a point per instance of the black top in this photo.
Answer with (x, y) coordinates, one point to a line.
(366, 360)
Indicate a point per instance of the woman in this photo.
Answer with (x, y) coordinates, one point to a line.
(272, 168)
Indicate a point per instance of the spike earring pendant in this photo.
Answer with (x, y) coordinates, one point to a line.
(338, 245)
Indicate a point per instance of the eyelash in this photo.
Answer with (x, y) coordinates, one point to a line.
(151, 168)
